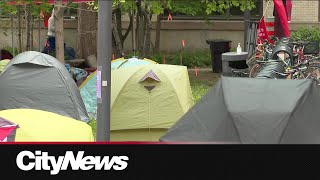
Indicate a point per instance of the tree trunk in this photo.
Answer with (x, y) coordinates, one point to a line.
(39, 31)
(12, 36)
(146, 43)
(117, 38)
(140, 29)
(28, 26)
(118, 23)
(31, 34)
(87, 32)
(117, 29)
(58, 22)
(158, 30)
(143, 30)
(140, 35)
(19, 28)
(136, 32)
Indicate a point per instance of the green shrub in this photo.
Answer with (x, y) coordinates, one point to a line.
(306, 34)
(11, 50)
(66, 55)
(198, 58)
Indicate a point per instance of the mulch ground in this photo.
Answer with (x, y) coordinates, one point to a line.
(204, 75)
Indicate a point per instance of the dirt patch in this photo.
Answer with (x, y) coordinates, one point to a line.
(204, 75)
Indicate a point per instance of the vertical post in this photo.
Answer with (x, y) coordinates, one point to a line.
(104, 69)
(181, 57)
(164, 57)
(246, 26)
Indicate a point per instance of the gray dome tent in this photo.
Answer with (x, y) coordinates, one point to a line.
(39, 81)
(253, 111)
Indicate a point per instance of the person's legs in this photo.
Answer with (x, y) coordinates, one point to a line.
(46, 47)
(52, 42)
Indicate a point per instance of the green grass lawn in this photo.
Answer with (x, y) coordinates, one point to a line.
(199, 86)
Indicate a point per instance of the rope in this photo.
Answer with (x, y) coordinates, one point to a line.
(265, 11)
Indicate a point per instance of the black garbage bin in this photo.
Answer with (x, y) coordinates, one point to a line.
(217, 47)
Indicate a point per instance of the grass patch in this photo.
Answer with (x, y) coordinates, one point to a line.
(93, 124)
(199, 89)
(195, 58)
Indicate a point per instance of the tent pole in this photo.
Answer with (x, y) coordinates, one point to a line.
(104, 55)
(246, 43)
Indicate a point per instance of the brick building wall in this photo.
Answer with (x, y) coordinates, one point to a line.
(302, 10)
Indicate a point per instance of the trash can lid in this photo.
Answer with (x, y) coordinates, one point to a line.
(234, 56)
(217, 40)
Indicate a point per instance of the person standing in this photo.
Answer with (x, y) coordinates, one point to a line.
(51, 40)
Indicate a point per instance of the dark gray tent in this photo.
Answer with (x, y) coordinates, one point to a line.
(39, 81)
(253, 111)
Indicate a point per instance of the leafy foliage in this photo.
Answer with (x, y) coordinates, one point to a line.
(306, 34)
(197, 58)
(188, 7)
(9, 9)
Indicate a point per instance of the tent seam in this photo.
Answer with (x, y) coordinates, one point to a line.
(175, 90)
(224, 97)
(69, 91)
(116, 98)
(293, 111)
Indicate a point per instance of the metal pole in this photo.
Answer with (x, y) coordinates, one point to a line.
(104, 54)
(246, 26)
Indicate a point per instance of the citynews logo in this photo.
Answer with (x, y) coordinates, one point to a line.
(42, 161)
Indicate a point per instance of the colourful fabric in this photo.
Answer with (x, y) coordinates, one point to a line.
(289, 9)
(79, 73)
(281, 20)
(5, 131)
(262, 30)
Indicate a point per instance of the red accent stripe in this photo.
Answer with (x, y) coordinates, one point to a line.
(269, 23)
(113, 143)
(271, 33)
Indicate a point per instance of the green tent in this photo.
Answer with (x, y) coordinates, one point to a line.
(145, 100)
(124, 63)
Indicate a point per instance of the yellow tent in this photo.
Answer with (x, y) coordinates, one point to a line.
(42, 126)
(145, 100)
(3, 64)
